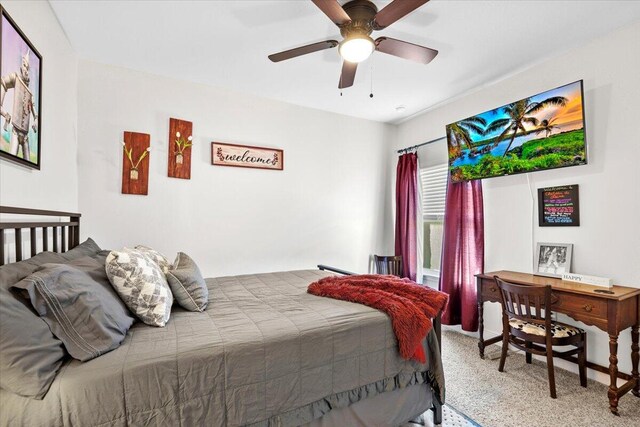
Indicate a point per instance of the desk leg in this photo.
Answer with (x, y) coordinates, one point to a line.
(481, 326)
(635, 358)
(613, 374)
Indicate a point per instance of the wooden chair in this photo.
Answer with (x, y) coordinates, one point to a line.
(527, 325)
(388, 265)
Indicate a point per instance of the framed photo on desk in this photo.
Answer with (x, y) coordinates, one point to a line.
(552, 259)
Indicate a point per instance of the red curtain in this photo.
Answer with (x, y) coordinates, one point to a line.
(462, 253)
(406, 212)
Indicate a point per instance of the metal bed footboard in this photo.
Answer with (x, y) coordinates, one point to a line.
(437, 327)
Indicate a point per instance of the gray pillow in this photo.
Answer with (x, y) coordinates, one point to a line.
(16, 271)
(86, 248)
(78, 303)
(187, 284)
(30, 356)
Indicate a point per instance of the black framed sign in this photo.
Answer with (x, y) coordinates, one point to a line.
(559, 206)
(21, 100)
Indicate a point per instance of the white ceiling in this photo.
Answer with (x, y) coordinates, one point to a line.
(226, 43)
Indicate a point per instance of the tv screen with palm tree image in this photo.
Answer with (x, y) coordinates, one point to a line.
(544, 131)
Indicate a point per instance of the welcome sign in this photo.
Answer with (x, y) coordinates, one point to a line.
(246, 156)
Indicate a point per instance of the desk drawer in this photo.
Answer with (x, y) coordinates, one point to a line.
(490, 291)
(581, 305)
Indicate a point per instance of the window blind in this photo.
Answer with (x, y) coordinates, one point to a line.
(434, 191)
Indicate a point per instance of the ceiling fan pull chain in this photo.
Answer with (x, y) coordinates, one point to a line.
(371, 93)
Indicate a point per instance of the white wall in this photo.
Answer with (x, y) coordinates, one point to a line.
(607, 241)
(327, 206)
(55, 185)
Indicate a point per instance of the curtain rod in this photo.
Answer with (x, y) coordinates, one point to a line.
(413, 147)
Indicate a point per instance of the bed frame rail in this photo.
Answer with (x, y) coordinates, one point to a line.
(335, 270)
(64, 234)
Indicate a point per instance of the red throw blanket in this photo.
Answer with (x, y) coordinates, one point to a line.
(409, 305)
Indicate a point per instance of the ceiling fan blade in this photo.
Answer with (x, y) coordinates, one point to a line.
(406, 50)
(333, 10)
(394, 11)
(303, 50)
(348, 74)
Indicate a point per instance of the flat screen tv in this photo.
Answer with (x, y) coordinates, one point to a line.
(543, 131)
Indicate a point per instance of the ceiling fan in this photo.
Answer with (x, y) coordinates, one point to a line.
(357, 19)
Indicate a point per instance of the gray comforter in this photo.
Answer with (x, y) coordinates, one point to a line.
(264, 353)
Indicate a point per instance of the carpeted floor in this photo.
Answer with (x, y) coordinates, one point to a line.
(520, 395)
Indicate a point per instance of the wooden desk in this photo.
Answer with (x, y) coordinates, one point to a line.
(611, 313)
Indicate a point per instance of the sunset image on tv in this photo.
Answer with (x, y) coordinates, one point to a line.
(544, 131)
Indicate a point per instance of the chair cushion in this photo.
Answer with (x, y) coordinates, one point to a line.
(558, 330)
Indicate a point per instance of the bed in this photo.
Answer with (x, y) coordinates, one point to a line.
(263, 353)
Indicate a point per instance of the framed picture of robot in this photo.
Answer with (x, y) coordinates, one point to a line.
(20, 96)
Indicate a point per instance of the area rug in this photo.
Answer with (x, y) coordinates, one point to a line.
(520, 395)
(451, 417)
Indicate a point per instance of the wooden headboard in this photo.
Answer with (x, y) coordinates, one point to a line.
(64, 235)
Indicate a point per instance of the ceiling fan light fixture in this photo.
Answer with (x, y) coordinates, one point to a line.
(356, 48)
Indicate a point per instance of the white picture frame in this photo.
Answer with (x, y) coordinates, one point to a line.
(552, 259)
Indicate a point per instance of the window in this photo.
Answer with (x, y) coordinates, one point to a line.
(434, 191)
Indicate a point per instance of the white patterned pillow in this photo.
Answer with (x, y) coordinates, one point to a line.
(156, 256)
(141, 285)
